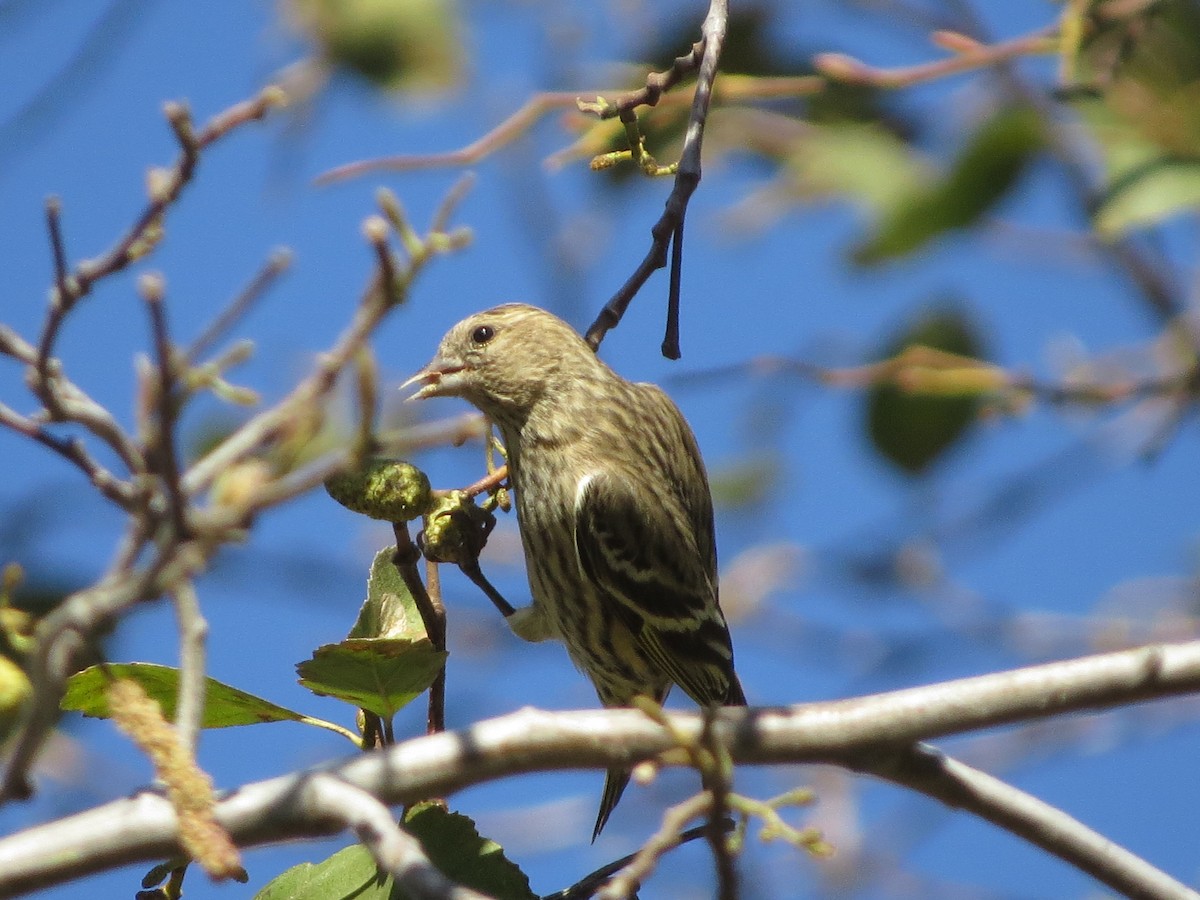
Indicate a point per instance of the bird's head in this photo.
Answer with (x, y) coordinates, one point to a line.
(505, 360)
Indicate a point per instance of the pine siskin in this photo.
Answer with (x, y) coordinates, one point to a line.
(614, 511)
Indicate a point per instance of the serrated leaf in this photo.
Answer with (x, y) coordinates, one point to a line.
(984, 172)
(912, 431)
(382, 675)
(457, 849)
(389, 610)
(224, 706)
(449, 840)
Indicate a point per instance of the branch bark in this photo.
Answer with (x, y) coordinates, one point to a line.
(872, 734)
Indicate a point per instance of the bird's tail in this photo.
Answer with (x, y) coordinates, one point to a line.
(614, 787)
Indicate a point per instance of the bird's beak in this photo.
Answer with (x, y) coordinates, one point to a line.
(435, 380)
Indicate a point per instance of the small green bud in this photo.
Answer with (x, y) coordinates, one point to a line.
(387, 489)
(456, 530)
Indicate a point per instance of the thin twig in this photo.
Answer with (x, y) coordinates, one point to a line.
(278, 263)
(374, 306)
(976, 55)
(716, 778)
(160, 444)
(193, 634)
(433, 616)
(733, 89)
(488, 482)
(668, 837)
(687, 178)
(73, 450)
(590, 883)
(959, 786)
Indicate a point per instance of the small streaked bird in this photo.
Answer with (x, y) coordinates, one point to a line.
(614, 510)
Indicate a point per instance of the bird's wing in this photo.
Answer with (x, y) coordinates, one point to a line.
(640, 553)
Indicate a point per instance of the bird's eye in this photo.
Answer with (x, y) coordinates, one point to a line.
(483, 334)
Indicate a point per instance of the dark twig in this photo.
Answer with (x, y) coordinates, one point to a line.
(73, 450)
(433, 615)
(161, 444)
(57, 244)
(670, 344)
(471, 569)
(590, 883)
(705, 55)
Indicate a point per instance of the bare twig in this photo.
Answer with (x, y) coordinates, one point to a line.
(433, 616)
(669, 835)
(160, 442)
(240, 305)
(705, 56)
(73, 450)
(971, 54)
(588, 885)
(193, 633)
(376, 303)
(733, 89)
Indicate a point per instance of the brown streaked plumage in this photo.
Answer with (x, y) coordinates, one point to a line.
(613, 505)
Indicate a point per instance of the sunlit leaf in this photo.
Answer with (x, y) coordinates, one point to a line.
(389, 610)
(224, 706)
(382, 675)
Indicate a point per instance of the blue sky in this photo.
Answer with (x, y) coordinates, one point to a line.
(1106, 526)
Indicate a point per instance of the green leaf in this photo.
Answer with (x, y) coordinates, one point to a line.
(864, 162)
(986, 169)
(456, 848)
(413, 45)
(449, 839)
(349, 873)
(913, 431)
(389, 610)
(381, 675)
(224, 706)
(745, 482)
(1149, 194)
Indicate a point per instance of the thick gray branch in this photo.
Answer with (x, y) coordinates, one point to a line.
(859, 734)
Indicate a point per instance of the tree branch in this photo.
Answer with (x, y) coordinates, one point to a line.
(860, 734)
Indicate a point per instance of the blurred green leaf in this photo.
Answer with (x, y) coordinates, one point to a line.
(449, 839)
(381, 675)
(1140, 101)
(224, 706)
(1147, 194)
(913, 431)
(984, 172)
(745, 482)
(867, 163)
(394, 44)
